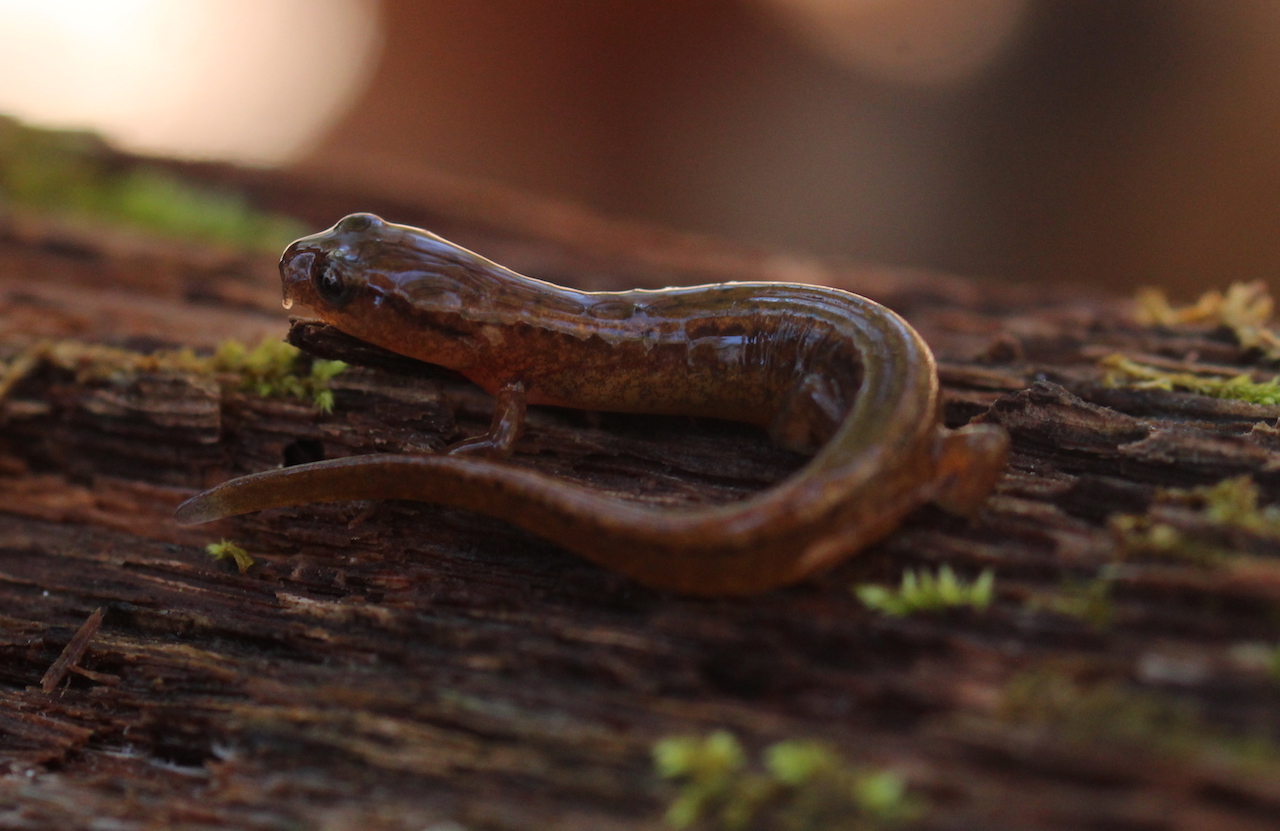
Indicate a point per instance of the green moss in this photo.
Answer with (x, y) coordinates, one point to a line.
(1262, 657)
(1123, 372)
(926, 592)
(1204, 514)
(1191, 526)
(799, 786)
(157, 201)
(227, 550)
(1244, 308)
(1233, 503)
(1089, 600)
(1089, 713)
(275, 369)
(272, 369)
(75, 174)
(1143, 536)
(1110, 712)
(713, 770)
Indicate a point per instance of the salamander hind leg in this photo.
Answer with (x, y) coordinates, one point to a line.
(809, 415)
(970, 461)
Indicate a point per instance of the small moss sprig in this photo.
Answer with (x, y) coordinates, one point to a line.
(927, 592)
(804, 786)
(227, 550)
(1124, 372)
(1244, 308)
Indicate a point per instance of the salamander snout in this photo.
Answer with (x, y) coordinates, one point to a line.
(295, 272)
(314, 270)
(311, 276)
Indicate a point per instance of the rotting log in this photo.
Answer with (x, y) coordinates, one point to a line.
(398, 665)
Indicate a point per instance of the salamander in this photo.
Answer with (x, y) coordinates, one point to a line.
(824, 371)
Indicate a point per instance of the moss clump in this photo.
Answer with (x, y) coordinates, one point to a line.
(275, 369)
(927, 592)
(1105, 710)
(1109, 712)
(272, 369)
(1231, 503)
(802, 786)
(75, 174)
(1123, 372)
(1258, 656)
(1207, 518)
(1143, 536)
(1244, 308)
(1088, 600)
(157, 201)
(227, 550)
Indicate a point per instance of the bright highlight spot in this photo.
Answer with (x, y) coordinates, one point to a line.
(246, 80)
(922, 42)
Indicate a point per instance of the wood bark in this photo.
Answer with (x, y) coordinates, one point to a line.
(401, 665)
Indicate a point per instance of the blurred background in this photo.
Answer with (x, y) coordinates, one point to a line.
(1095, 142)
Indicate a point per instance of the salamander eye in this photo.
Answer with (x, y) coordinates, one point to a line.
(332, 287)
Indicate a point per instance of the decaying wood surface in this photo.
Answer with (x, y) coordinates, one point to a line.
(399, 666)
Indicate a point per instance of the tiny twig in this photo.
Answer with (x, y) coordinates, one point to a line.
(72, 653)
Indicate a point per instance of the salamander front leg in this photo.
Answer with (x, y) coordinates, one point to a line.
(508, 424)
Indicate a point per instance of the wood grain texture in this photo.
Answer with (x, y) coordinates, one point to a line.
(398, 665)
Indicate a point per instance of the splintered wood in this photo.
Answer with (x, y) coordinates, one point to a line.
(404, 666)
(74, 651)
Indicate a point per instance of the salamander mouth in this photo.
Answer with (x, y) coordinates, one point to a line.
(300, 309)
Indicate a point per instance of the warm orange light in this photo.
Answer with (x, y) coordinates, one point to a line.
(920, 42)
(248, 80)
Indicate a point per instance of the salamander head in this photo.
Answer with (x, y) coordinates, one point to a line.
(395, 286)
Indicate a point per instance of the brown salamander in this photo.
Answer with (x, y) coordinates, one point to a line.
(821, 369)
